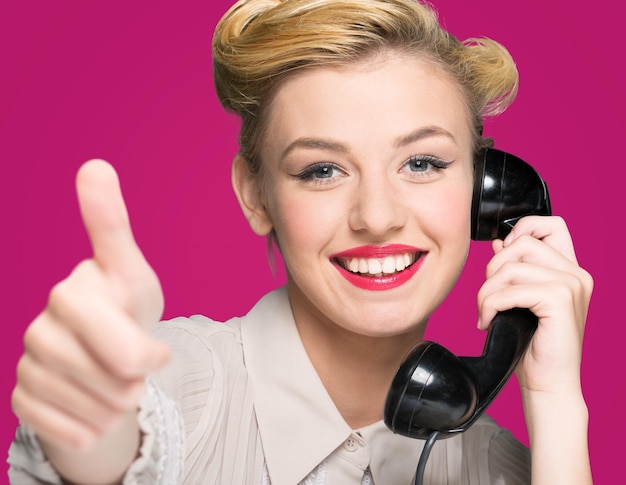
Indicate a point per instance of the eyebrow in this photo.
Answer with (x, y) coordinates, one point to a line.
(338, 147)
(421, 133)
(315, 143)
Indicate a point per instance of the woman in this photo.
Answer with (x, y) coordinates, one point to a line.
(360, 123)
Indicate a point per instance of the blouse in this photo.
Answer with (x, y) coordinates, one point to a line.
(241, 403)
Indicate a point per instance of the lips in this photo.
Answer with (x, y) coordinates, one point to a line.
(379, 267)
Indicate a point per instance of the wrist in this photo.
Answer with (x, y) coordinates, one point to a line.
(558, 433)
(103, 463)
(561, 408)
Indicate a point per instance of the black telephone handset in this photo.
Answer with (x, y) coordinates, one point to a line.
(434, 392)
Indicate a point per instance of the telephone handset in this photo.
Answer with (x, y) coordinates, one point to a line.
(434, 392)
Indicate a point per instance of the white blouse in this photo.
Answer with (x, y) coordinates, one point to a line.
(240, 403)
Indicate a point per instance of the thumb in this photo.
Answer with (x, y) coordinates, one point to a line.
(105, 216)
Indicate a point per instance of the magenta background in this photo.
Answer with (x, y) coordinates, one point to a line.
(131, 82)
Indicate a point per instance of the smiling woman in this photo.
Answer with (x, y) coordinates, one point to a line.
(372, 198)
(361, 123)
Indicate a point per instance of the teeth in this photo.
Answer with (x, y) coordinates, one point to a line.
(401, 262)
(374, 266)
(387, 265)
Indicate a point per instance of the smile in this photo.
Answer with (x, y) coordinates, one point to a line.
(379, 268)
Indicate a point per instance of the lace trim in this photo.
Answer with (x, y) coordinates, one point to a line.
(160, 460)
(162, 452)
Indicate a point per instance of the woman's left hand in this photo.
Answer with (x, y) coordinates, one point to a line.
(535, 267)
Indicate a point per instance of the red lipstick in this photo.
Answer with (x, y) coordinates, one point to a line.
(379, 281)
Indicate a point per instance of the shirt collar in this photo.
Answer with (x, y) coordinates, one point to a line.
(393, 457)
(294, 410)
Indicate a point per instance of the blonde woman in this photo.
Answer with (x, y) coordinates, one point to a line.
(360, 123)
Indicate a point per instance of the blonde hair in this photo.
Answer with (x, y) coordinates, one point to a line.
(258, 43)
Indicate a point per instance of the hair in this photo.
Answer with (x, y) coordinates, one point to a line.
(259, 43)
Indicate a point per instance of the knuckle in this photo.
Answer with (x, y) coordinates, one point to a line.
(40, 343)
(35, 337)
(66, 295)
(582, 284)
(21, 405)
(565, 292)
(59, 294)
(33, 378)
(491, 268)
(507, 270)
(526, 241)
(62, 301)
(16, 402)
(559, 222)
(22, 370)
(586, 280)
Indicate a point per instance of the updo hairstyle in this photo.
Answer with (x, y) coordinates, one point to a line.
(258, 43)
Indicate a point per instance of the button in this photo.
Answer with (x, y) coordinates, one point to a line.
(351, 444)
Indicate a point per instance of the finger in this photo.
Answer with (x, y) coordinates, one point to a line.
(67, 396)
(94, 340)
(551, 230)
(544, 291)
(59, 352)
(105, 217)
(528, 249)
(51, 425)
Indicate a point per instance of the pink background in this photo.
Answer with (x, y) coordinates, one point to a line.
(131, 82)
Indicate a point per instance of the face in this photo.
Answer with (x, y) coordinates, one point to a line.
(368, 184)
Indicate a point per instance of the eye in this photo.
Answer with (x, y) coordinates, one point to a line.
(320, 172)
(423, 164)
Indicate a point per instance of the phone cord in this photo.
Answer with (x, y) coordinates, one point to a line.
(421, 464)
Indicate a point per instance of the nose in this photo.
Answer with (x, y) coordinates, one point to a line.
(377, 208)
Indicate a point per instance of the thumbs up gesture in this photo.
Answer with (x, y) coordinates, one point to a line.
(87, 354)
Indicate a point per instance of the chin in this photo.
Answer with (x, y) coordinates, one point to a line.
(387, 328)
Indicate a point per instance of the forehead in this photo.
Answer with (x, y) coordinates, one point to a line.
(374, 98)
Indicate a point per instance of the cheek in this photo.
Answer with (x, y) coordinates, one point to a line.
(449, 214)
(457, 213)
(303, 222)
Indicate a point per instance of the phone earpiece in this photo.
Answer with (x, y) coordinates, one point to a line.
(505, 189)
(434, 390)
(435, 382)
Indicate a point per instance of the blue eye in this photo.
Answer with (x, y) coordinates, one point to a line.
(421, 164)
(418, 165)
(323, 172)
(318, 171)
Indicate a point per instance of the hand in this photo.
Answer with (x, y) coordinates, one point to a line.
(87, 354)
(535, 267)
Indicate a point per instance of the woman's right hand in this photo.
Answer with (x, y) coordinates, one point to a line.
(86, 356)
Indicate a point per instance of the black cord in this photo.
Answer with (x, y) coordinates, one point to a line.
(421, 464)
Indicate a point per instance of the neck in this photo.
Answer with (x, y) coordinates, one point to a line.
(356, 370)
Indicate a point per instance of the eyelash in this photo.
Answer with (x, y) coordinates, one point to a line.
(436, 163)
(309, 172)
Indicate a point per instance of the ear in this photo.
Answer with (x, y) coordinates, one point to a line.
(247, 188)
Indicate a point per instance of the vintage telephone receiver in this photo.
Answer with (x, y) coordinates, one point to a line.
(434, 392)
